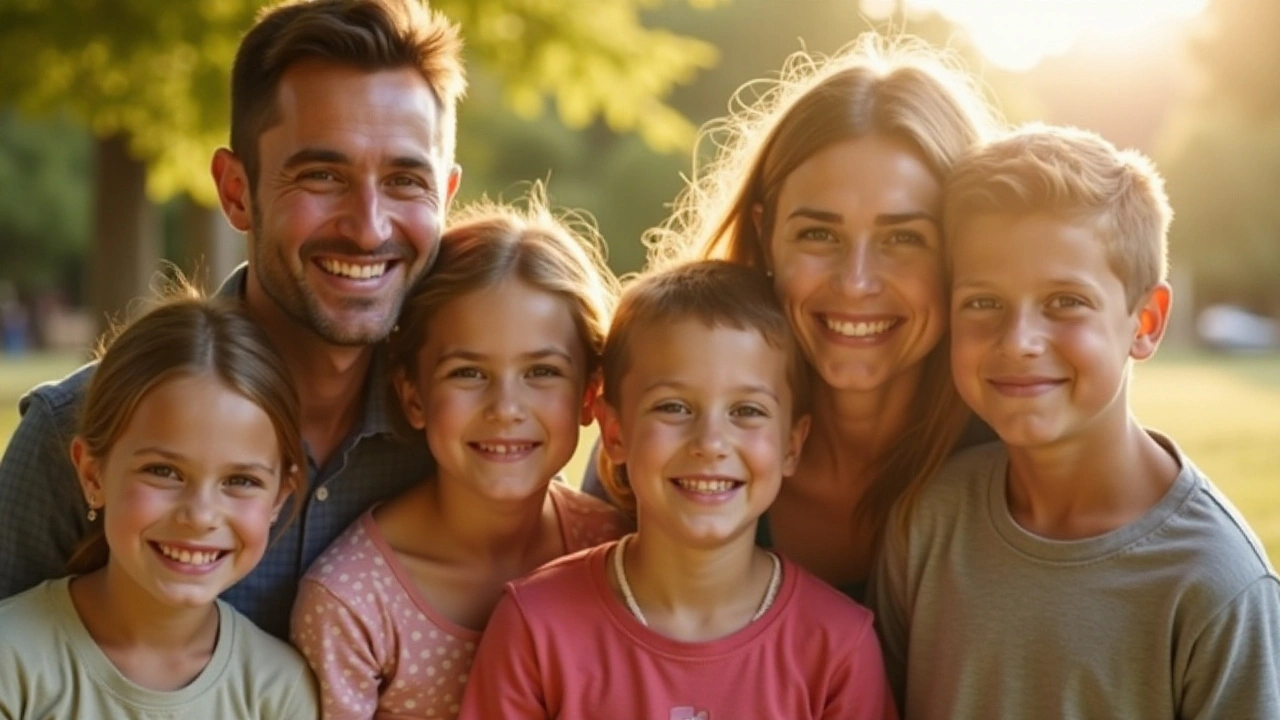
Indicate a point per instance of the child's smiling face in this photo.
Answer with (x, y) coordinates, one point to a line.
(1042, 333)
(188, 492)
(705, 429)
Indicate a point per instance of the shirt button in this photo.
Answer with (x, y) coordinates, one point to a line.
(322, 494)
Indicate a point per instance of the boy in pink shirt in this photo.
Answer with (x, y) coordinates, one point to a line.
(701, 418)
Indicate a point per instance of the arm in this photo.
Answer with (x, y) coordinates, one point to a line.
(887, 598)
(505, 681)
(858, 689)
(41, 505)
(1234, 669)
(334, 639)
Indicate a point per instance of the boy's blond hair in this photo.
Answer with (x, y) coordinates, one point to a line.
(1080, 176)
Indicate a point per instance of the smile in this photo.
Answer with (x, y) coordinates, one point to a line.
(707, 486)
(189, 557)
(504, 448)
(859, 329)
(354, 271)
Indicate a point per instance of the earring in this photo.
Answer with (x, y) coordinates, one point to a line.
(768, 273)
(92, 514)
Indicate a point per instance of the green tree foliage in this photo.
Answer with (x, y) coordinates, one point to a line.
(44, 207)
(1222, 160)
(157, 71)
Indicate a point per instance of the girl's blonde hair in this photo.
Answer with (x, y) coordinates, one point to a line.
(487, 243)
(185, 334)
(895, 88)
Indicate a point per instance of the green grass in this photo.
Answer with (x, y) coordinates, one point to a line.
(1223, 411)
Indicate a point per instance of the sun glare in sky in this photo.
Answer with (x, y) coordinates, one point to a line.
(1017, 34)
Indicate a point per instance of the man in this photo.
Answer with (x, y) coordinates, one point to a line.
(340, 171)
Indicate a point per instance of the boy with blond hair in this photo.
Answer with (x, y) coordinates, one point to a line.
(1082, 567)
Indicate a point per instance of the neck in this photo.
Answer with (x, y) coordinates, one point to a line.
(330, 378)
(483, 531)
(118, 614)
(1103, 479)
(696, 594)
(851, 432)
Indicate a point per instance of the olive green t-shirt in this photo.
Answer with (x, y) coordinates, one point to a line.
(50, 667)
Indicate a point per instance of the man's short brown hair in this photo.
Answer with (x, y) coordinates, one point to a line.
(366, 34)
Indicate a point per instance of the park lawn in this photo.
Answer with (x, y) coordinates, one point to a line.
(1224, 411)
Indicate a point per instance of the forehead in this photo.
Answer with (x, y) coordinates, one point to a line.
(328, 105)
(511, 317)
(179, 413)
(873, 172)
(1013, 247)
(704, 357)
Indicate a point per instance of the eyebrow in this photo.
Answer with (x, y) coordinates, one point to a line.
(472, 356)
(169, 454)
(307, 156)
(884, 219)
(755, 389)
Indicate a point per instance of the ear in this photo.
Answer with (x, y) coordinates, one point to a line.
(88, 472)
(451, 184)
(410, 399)
(1153, 319)
(233, 189)
(590, 395)
(795, 443)
(287, 489)
(610, 432)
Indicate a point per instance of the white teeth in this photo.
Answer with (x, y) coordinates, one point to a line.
(708, 487)
(859, 329)
(503, 449)
(352, 270)
(188, 557)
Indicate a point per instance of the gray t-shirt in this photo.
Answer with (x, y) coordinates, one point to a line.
(1175, 615)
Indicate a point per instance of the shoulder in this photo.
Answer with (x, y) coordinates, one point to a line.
(31, 612)
(62, 398)
(271, 666)
(586, 521)
(1209, 536)
(960, 476)
(561, 582)
(824, 619)
(353, 569)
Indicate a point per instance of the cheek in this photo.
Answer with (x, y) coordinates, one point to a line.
(251, 521)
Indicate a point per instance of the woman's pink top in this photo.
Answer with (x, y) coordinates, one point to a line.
(375, 644)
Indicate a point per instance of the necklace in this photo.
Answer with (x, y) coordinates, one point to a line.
(775, 580)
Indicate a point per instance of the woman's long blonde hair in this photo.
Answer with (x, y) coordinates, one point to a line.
(901, 89)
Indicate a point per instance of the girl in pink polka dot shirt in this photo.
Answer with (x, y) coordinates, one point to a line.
(495, 362)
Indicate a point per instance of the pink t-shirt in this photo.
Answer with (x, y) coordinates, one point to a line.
(375, 644)
(561, 645)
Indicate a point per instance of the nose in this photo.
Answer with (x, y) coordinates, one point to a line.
(1022, 334)
(859, 273)
(200, 507)
(506, 402)
(365, 217)
(710, 437)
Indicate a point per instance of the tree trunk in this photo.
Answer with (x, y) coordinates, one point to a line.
(126, 235)
(213, 248)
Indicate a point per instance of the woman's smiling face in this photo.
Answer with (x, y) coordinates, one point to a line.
(855, 249)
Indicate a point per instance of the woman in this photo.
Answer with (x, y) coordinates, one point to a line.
(830, 183)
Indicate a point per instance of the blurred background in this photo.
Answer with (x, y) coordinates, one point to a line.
(110, 110)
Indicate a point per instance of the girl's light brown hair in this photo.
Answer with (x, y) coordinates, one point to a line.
(184, 335)
(894, 88)
(489, 242)
(715, 293)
